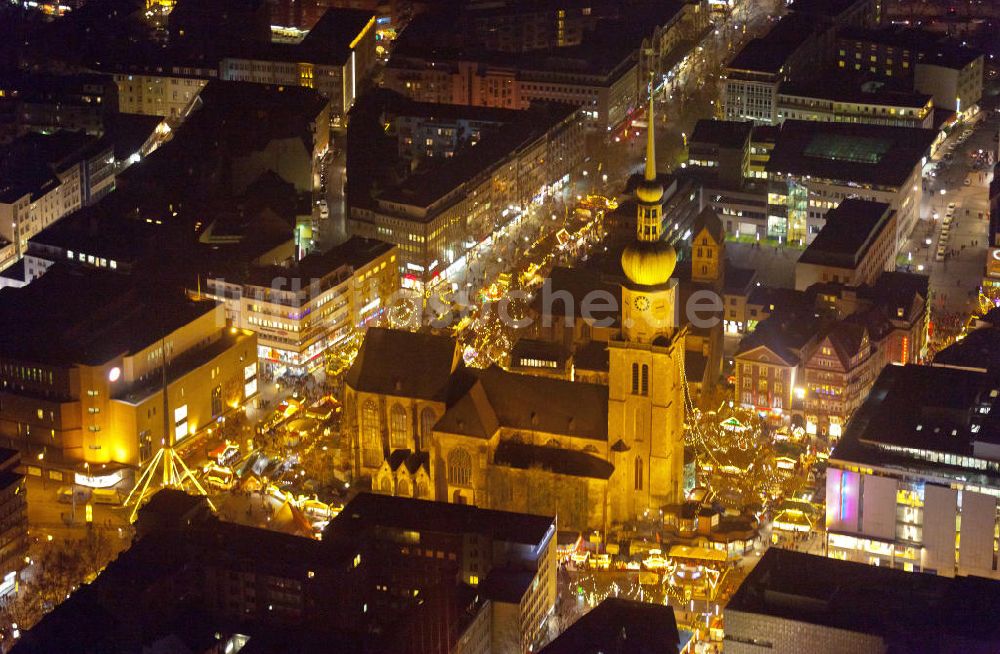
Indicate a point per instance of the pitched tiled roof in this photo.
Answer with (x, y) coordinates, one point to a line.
(592, 356)
(471, 415)
(846, 339)
(405, 364)
(530, 403)
(709, 220)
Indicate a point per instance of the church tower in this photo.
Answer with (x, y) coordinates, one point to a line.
(708, 249)
(646, 392)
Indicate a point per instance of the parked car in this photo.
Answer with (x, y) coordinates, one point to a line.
(66, 494)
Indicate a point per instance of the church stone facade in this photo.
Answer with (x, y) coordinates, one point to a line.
(421, 424)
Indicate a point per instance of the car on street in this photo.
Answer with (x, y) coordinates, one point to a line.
(66, 494)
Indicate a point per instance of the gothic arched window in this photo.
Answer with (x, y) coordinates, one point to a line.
(371, 443)
(459, 468)
(638, 473)
(397, 428)
(427, 421)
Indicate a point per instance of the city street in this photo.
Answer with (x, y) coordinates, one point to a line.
(955, 280)
(693, 92)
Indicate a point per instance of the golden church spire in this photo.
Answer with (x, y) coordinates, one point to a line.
(649, 261)
(650, 143)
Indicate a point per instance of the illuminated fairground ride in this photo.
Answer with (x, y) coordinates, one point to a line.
(167, 465)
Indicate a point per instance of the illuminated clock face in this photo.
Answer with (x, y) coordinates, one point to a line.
(641, 303)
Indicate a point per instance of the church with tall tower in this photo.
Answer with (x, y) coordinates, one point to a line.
(421, 424)
(646, 376)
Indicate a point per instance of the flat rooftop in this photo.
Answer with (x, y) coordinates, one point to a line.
(913, 39)
(841, 92)
(603, 54)
(723, 133)
(29, 164)
(620, 625)
(371, 510)
(88, 316)
(950, 56)
(351, 255)
(770, 53)
(329, 42)
(849, 231)
(435, 181)
(910, 611)
(850, 152)
(829, 8)
(916, 415)
(179, 366)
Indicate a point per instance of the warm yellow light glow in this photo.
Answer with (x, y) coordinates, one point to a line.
(361, 34)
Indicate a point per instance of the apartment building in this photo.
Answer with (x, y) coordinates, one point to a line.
(157, 90)
(442, 213)
(406, 544)
(44, 177)
(320, 301)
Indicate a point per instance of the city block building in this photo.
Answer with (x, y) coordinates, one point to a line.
(318, 302)
(913, 483)
(82, 381)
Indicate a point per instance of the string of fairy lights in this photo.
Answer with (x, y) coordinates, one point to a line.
(715, 434)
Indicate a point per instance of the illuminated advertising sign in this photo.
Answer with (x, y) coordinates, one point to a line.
(842, 495)
(993, 263)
